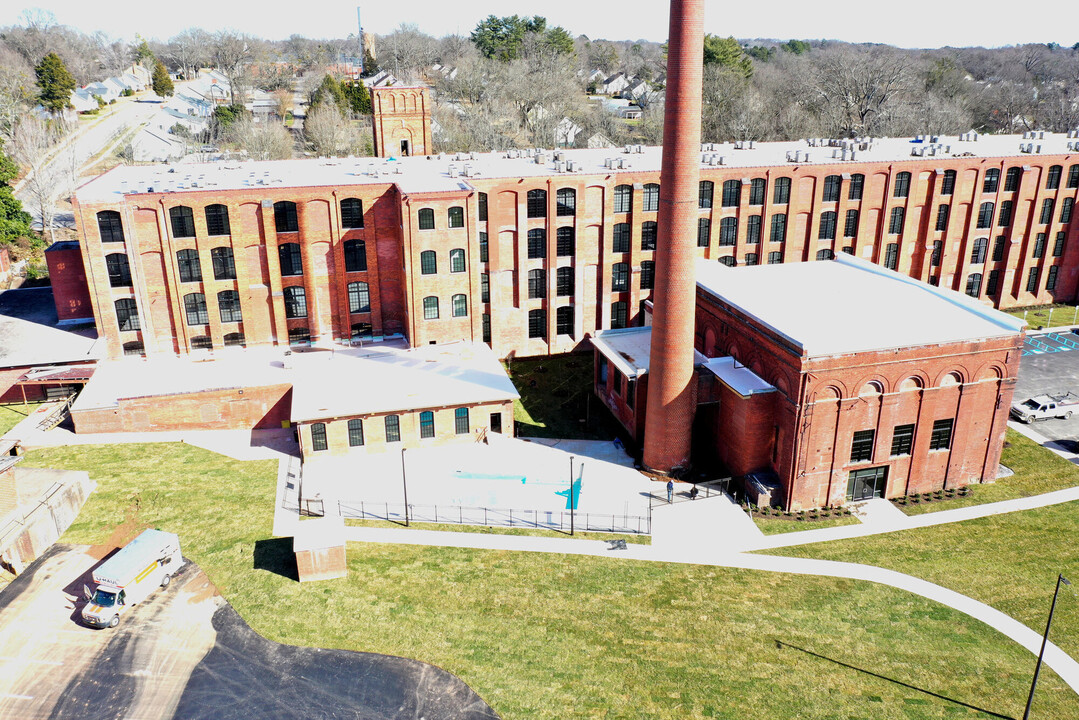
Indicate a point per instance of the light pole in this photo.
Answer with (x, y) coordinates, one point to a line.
(404, 484)
(571, 458)
(1045, 640)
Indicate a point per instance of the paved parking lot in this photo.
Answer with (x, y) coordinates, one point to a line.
(1050, 371)
(186, 654)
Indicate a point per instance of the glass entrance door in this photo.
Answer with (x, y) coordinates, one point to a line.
(867, 483)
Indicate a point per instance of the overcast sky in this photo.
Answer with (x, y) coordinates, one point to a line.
(915, 23)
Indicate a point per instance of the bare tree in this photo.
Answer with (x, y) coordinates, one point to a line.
(407, 52)
(859, 88)
(261, 141)
(328, 132)
(47, 176)
(16, 88)
(231, 53)
(283, 100)
(187, 51)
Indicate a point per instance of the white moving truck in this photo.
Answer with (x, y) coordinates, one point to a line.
(128, 577)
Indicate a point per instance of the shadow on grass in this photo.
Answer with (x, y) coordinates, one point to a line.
(780, 644)
(276, 556)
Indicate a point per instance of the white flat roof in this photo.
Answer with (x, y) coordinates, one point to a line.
(630, 349)
(737, 377)
(432, 173)
(380, 377)
(319, 534)
(848, 305)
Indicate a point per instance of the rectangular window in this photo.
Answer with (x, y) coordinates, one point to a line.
(826, 226)
(1052, 180)
(623, 199)
(290, 258)
(728, 232)
(428, 262)
(938, 248)
(1047, 211)
(850, 228)
(393, 428)
(902, 185)
(732, 193)
(537, 284)
(1032, 280)
(751, 259)
(861, 448)
(891, 256)
(651, 197)
(565, 242)
(704, 194)
(895, 227)
(992, 180)
(483, 247)
(649, 231)
(1011, 180)
(620, 277)
(566, 202)
(485, 287)
(486, 327)
(753, 229)
(1039, 245)
(942, 217)
(564, 320)
(355, 433)
(620, 241)
(998, 248)
(781, 193)
(318, 436)
(217, 220)
(351, 213)
(991, 283)
(902, 440)
(427, 424)
(1058, 246)
(704, 232)
(537, 323)
(1051, 277)
(224, 263)
(756, 191)
(537, 203)
(619, 311)
(831, 188)
(775, 257)
(460, 421)
(648, 275)
(564, 282)
(857, 183)
(779, 228)
(482, 211)
(1004, 219)
(941, 439)
(948, 186)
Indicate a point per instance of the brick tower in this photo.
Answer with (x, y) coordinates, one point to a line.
(402, 121)
(671, 393)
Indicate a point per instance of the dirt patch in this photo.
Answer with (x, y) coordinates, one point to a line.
(122, 534)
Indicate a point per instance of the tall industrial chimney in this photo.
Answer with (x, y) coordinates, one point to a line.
(671, 393)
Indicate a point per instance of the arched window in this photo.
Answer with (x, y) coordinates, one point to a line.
(564, 320)
(898, 215)
(133, 348)
(427, 424)
(619, 314)
(1039, 245)
(109, 226)
(756, 191)
(947, 183)
(183, 222)
(355, 432)
(992, 180)
(428, 262)
(977, 254)
(537, 284)
(753, 229)
(1066, 210)
(704, 194)
(623, 198)
(850, 229)
(751, 259)
(228, 303)
(732, 193)
(127, 314)
(537, 243)
(620, 277)
(537, 323)
(1047, 211)
(704, 232)
(217, 220)
(351, 213)
(234, 339)
(457, 260)
(187, 262)
(456, 217)
(826, 231)
(781, 193)
(620, 238)
(564, 282)
(857, 183)
(566, 201)
(1052, 179)
(195, 309)
(224, 263)
(825, 254)
(974, 285)
(1073, 176)
(299, 336)
(728, 231)
(460, 305)
(778, 232)
(1004, 218)
(460, 421)
(728, 260)
(426, 218)
(119, 270)
(648, 275)
(430, 308)
(284, 216)
(565, 241)
(202, 342)
(295, 302)
(650, 201)
(290, 258)
(393, 428)
(831, 188)
(537, 203)
(355, 255)
(318, 436)
(649, 232)
(1011, 179)
(902, 185)
(985, 215)
(359, 298)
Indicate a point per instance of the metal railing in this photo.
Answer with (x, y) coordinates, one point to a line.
(492, 517)
(684, 492)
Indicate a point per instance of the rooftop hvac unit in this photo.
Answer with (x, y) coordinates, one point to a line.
(571, 166)
(628, 149)
(474, 156)
(1038, 149)
(541, 159)
(1073, 133)
(640, 149)
(560, 156)
(608, 163)
(397, 169)
(453, 171)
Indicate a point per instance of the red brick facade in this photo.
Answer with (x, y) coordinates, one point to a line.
(68, 278)
(497, 216)
(402, 121)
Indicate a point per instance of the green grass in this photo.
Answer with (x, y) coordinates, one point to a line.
(547, 636)
(1046, 315)
(485, 530)
(12, 415)
(776, 526)
(556, 394)
(1036, 469)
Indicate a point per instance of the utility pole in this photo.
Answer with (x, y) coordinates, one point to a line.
(1045, 641)
(404, 484)
(571, 458)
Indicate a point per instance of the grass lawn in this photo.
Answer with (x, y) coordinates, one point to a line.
(485, 530)
(556, 394)
(777, 526)
(545, 636)
(1046, 315)
(12, 415)
(1037, 471)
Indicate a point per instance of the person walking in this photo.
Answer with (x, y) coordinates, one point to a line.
(670, 491)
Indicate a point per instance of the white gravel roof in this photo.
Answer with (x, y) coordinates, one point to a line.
(848, 305)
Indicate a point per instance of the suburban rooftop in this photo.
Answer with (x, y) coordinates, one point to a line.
(453, 172)
(848, 305)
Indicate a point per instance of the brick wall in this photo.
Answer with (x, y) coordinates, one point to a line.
(9, 492)
(230, 409)
(70, 292)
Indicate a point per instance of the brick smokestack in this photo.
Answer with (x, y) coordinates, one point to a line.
(671, 391)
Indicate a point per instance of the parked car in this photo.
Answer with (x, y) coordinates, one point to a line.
(1043, 407)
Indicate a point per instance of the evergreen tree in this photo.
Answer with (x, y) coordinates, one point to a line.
(162, 83)
(55, 82)
(329, 87)
(14, 221)
(359, 99)
(143, 51)
(727, 53)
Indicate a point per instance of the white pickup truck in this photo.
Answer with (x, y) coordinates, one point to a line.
(1043, 407)
(128, 577)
